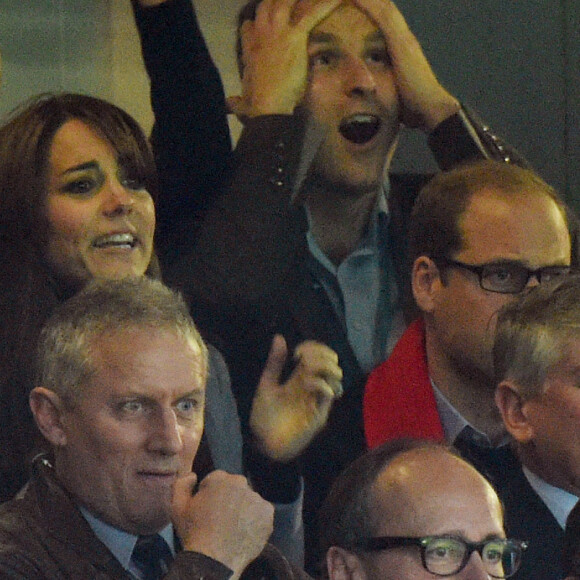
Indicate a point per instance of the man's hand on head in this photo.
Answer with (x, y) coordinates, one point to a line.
(286, 417)
(275, 56)
(224, 519)
(424, 102)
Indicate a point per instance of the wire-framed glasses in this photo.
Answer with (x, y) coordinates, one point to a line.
(506, 277)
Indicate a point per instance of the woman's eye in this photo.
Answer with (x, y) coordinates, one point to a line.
(79, 186)
(132, 183)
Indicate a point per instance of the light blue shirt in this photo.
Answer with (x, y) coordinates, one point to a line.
(558, 501)
(363, 290)
(120, 543)
(453, 422)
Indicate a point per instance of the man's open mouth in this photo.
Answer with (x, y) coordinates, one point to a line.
(360, 128)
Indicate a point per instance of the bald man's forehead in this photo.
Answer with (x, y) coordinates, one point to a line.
(430, 491)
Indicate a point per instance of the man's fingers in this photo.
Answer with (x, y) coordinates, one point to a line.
(391, 22)
(323, 389)
(309, 13)
(183, 490)
(276, 360)
(313, 350)
(317, 359)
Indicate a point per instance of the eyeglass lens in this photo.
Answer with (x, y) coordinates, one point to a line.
(446, 556)
(513, 278)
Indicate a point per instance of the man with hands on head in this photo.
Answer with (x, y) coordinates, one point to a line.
(121, 375)
(301, 243)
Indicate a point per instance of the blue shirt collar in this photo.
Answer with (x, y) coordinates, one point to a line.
(453, 422)
(559, 501)
(120, 543)
(374, 237)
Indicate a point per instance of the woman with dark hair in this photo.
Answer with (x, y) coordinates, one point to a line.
(77, 180)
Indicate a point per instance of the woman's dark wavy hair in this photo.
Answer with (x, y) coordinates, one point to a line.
(25, 140)
(30, 290)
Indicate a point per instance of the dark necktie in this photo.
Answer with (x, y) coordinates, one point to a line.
(152, 556)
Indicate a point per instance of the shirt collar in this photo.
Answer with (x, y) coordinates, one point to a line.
(373, 238)
(453, 422)
(558, 501)
(120, 543)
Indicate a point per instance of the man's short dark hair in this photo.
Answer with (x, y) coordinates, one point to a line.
(434, 226)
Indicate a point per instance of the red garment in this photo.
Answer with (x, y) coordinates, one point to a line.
(399, 399)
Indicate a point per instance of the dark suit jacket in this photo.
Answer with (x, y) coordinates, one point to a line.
(528, 518)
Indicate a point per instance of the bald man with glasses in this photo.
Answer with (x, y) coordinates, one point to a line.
(412, 510)
(480, 236)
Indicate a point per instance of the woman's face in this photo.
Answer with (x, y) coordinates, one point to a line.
(101, 219)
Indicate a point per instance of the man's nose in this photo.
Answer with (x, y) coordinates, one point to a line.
(475, 569)
(358, 77)
(118, 199)
(533, 281)
(165, 437)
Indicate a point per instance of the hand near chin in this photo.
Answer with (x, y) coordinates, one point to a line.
(275, 56)
(286, 417)
(424, 103)
(224, 519)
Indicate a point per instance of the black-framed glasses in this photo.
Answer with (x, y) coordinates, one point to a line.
(506, 277)
(448, 555)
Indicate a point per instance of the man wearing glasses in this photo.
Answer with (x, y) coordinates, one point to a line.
(412, 510)
(479, 237)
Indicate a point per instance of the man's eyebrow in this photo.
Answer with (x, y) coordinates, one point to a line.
(321, 37)
(460, 535)
(508, 262)
(376, 36)
(192, 393)
(329, 38)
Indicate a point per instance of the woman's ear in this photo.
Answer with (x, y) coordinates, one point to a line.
(344, 565)
(47, 409)
(511, 405)
(426, 282)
